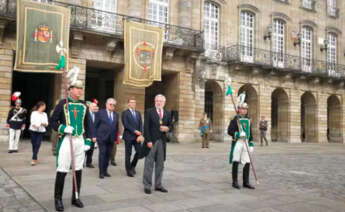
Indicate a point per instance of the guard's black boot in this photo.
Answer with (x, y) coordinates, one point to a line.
(234, 175)
(76, 201)
(246, 183)
(59, 184)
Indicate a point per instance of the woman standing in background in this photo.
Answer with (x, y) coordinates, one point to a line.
(38, 124)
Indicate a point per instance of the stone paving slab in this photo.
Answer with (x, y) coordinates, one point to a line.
(293, 177)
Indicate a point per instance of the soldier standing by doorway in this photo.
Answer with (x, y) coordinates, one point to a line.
(205, 129)
(15, 122)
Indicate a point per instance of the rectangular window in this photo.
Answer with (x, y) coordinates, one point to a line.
(307, 48)
(308, 4)
(158, 13)
(332, 8)
(331, 52)
(103, 17)
(211, 25)
(278, 43)
(247, 36)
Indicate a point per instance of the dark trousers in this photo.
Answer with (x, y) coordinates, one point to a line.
(128, 149)
(105, 148)
(36, 140)
(89, 154)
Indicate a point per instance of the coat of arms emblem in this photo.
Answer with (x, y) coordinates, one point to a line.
(144, 53)
(43, 34)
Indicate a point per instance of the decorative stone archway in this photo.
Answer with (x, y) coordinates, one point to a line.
(214, 107)
(334, 117)
(280, 115)
(252, 101)
(308, 118)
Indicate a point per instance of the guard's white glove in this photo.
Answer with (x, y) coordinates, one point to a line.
(251, 149)
(68, 130)
(86, 148)
(242, 134)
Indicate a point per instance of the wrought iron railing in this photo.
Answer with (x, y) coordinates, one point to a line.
(281, 61)
(90, 19)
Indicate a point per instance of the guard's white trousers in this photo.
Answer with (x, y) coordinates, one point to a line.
(240, 152)
(14, 139)
(64, 161)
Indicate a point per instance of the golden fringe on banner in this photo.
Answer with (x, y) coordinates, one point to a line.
(143, 54)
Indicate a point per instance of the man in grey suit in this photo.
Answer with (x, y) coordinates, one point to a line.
(157, 124)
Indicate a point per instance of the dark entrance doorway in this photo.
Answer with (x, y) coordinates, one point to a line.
(34, 87)
(99, 85)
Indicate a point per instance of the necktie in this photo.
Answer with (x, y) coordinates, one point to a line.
(160, 113)
(93, 117)
(133, 113)
(110, 117)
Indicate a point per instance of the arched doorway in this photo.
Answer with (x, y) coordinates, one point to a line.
(252, 101)
(308, 118)
(334, 117)
(214, 107)
(280, 115)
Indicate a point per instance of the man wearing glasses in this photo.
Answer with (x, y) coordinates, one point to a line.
(107, 126)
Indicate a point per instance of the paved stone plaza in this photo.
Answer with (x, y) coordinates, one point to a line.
(293, 177)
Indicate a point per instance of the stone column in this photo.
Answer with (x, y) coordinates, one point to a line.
(294, 116)
(6, 62)
(185, 13)
(321, 120)
(265, 107)
(342, 120)
(186, 129)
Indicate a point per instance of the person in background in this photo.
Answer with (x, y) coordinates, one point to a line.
(205, 129)
(15, 122)
(263, 129)
(132, 134)
(93, 109)
(107, 127)
(38, 124)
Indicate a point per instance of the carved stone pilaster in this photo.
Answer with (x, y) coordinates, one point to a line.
(77, 39)
(2, 30)
(111, 46)
(169, 53)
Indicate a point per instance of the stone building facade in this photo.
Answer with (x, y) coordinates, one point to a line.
(285, 54)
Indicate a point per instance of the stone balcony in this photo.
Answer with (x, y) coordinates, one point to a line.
(281, 62)
(111, 24)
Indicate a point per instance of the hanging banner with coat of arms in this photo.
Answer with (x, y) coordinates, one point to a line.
(40, 28)
(143, 54)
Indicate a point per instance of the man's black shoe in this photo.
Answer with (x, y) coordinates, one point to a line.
(248, 186)
(77, 203)
(10, 151)
(147, 191)
(101, 176)
(130, 174)
(59, 205)
(15, 151)
(107, 175)
(235, 185)
(89, 166)
(133, 171)
(113, 163)
(161, 189)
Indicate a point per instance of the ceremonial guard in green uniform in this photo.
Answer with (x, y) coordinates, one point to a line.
(72, 123)
(240, 130)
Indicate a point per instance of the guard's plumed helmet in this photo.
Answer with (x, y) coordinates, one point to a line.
(244, 105)
(77, 84)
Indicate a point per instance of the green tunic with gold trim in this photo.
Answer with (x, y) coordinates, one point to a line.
(78, 117)
(233, 130)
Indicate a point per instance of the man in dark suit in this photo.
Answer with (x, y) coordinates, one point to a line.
(93, 109)
(132, 124)
(157, 124)
(107, 125)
